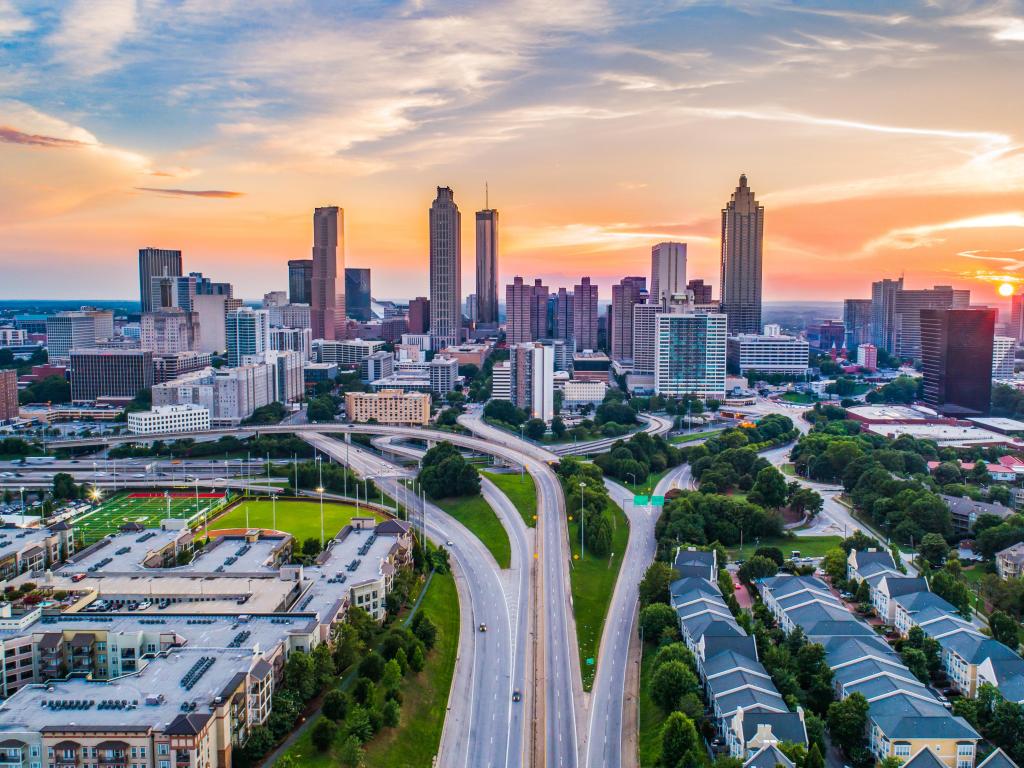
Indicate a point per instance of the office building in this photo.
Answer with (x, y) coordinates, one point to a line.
(440, 375)
(103, 320)
(292, 339)
(701, 291)
(350, 353)
(578, 394)
(531, 369)
(300, 281)
(289, 382)
(857, 319)
(487, 266)
(768, 353)
(690, 354)
(12, 337)
(644, 324)
(376, 366)
(274, 299)
(907, 318)
(591, 366)
(327, 316)
(419, 315)
(501, 381)
(247, 334)
(169, 291)
(210, 311)
(830, 334)
(742, 244)
(315, 373)
(883, 313)
(470, 308)
(110, 373)
(668, 271)
(1003, 356)
(445, 270)
(525, 311)
(565, 308)
(172, 365)
(169, 330)
(956, 352)
(229, 394)
(389, 406)
(357, 293)
(155, 262)
(66, 331)
(169, 418)
(867, 357)
(8, 394)
(630, 292)
(290, 316)
(584, 315)
(207, 287)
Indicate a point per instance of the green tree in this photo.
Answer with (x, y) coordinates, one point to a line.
(1004, 629)
(350, 755)
(834, 564)
(679, 742)
(655, 584)
(300, 676)
(358, 724)
(320, 409)
(772, 553)
(670, 683)
(372, 666)
(814, 758)
(535, 429)
(934, 549)
(391, 680)
(770, 487)
(916, 662)
(391, 713)
(335, 706)
(757, 567)
(558, 428)
(324, 734)
(655, 619)
(424, 630)
(64, 487)
(847, 722)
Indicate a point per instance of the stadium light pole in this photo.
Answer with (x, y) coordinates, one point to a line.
(582, 486)
(320, 490)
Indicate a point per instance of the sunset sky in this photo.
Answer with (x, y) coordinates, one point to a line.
(881, 138)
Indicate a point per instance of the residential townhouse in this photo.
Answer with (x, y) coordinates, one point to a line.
(863, 564)
(887, 588)
(1010, 561)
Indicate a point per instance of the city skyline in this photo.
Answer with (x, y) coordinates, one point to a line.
(225, 163)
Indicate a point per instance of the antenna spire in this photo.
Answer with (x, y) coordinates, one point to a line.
(487, 196)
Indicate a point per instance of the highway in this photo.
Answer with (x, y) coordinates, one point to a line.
(655, 425)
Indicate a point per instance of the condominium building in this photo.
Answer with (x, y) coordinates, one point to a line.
(110, 373)
(439, 375)
(327, 316)
(501, 381)
(956, 352)
(292, 339)
(348, 353)
(584, 315)
(630, 292)
(155, 262)
(388, 406)
(486, 266)
(247, 334)
(290, 316)
(289, 382)
(690, 354)
(211, 312)
(742, 243)
(376, 366)
(867, 357)
(300, 281)
(577, 393)
(169, 418)
(445, 270)
(532, 368)
(668, 271)
(174, 364)
(1003, 356)
(565, 310)
(69, 330)
(170, 330)
(857, 319)
(526, 311)
(764, 353)
(229, 394)
(883, 313)
(8, 394)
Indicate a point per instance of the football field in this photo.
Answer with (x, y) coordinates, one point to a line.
(147, 509)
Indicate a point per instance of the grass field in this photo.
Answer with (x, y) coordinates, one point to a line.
(809, 546)
(691, 436)
(521, 492)
(476, 514)
(799, 397)
(647, 484)
(299, 518)
(651, 716)
(148, 510)
(593, 581)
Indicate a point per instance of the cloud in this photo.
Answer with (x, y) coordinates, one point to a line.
(908, 238)
(600, 237)
(91, 32)
(192, 192)
(10, 135)
(11, 21)
(1003, 29)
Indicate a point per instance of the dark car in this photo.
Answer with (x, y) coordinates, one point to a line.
(516, 695)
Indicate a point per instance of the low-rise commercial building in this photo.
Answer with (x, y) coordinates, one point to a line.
(578, 394)
(348, 353)
(110, 373)
(169, 418)
(768, 353)
(388, 406)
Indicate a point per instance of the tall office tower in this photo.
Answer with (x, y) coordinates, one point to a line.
(857, 319)
(357, 293)
(211, 312)
(956, 352)
(247, 334)
(519, 309)
(742, 245)
(445, 270)
(300, 281)
(487, 266)
(116, 373)
(883, 305)
(701, 291)
(627, 294)
(564, 311)
(419, 315)
(171, 330)
(668, 271)
(69, 330)
(471, 309)
(1003, 359)
(8, 394)
(328, 304)
(168, 291)
(645, 318)
(584, 315)
(1017, 316)
(155, 262)
(690, 355)
(907, 315)
(207, 287)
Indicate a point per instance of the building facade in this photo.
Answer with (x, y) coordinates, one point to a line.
(169, 418)
(487, 266)
(327, 315)
(8, 394)
(170, 330)
(155, 262)
(247, 334)
(565, 310)
(1003, 351)
(389, 406)
(857, 319)
(956, 352)
(701, 291)
(867, 357)
(358, 293)
(742, 256)
(531, 371)
(668, 271)
(300, 281)
(690, 355)
(584, 315)
(419, 315)
(66, 331)
(445, 270)
(625, 296)
(907, 315)
(768, 353)
(110, 373)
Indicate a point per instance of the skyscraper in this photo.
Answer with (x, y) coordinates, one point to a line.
(539, 311)
(690, 355)
(518, 312)
(564, 312)
(1017, 316)
(170, 291)
(357, 293)
(907, 315)
(155, 262)
(1003, 359)
(956, 353)
(742, 235)
(627, 294)
(328, 297)
(487, 266)
(883, 305)
(300, 281)
(701, 292)
(247, 334)
(584, 315)
(857, 319)
(668, 270)
(8, 394)
(419, 315)
(445, 270)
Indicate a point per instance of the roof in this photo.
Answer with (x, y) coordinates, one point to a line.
(925, 758)
(964, 507)
(997, 759)
(904, 585)
(786, 726)
(1014, 553)
(695, 562)
(768, 757)
(188, 725)
(903, 716)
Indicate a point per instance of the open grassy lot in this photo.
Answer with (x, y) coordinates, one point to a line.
(691, 436)
(476, 514)
(147, 508)
(521, 492)
(593, 581)
(299, 518)
(809, 546)
(802, 398)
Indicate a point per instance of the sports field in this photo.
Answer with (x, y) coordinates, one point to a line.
(299, 518)
(147, 509)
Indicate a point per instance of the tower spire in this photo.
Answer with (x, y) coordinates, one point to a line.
(487, 197)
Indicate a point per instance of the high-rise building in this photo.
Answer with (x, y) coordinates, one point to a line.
(563, 320)
(827, 335)
(300, 281)
(867, 357)
(247, 334)
(956, 354)
(170, 291)
(328, 300)
(742, 244)
(1003, 357)
(110, 373)
(8, 394)
(357, 293)
(289, 383)
(472, 309)
(668, 270)
(907, 315)
(211, 311)
(883, 308)
(103, 319)
(172, 365)
(170, 330)
(531, 369)
(487, 266)
(584, 315)
(539, 313)
(1017, 316)
(292, 339)
(445, 270)
(690, 354)
(419, 315)
(644, 326)
(857, 319)
(207, 287)
(701, 291)
(519, 309)
(625, 296)
(66, 331)
(155, 262)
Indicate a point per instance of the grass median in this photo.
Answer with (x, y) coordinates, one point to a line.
(652, 718)
(476, 514)
(807, 546)
(520, 490)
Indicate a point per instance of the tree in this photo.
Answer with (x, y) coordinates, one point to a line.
(1004, 629)
(64, 487)
(679, 741)
(335, 705)
(558, 427)
(834, 564)
(757, 567)
(655, 583)
(300, 676)
(372, 666)
(771, 487)
(952, 589)
(772, 553)
(670, 683)
(503, 410)
(324, 733)
(445, 472)
(655, 619)
(814, 758)
(350, 755)
(535, 429)
(916, 662)
(358, 724)
(847, 722)
(321, 409)
(391, 712)
(947, 473)
(424, 630)
(863, 593)
(392, 677)
(934, 548)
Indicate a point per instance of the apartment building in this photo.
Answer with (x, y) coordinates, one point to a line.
(388, 406)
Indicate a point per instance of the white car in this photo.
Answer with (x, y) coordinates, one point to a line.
(145, 605)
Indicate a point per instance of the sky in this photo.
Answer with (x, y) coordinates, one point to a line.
(882, 138)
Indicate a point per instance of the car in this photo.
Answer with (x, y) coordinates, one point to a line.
(483, 627)
(77, 577)
(449, 544)
(517, 696)
(144, 605)
(738, 587)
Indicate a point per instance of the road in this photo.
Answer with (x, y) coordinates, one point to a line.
(484, 727)
(655, 425)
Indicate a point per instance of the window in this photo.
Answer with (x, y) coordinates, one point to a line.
(163, 749)
(901, 750)
(965, 749)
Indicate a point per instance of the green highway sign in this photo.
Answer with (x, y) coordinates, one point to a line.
(590, 661)
(640, 501)
(658, 501)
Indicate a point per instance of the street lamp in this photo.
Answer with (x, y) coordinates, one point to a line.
(630, 474)
(582, 552)
(320, 490)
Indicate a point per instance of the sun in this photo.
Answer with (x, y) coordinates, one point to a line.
(1006, 289)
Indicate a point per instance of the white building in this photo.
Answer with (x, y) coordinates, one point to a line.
(169, 331)
(668, 271)
(376, 366)
(12, 337)
(169, 418)
(350, 352)
(229, 394)
(576, 393)
(769, 353)
(290, 316)
(289, 376)
(501, 381)
(211, 311)
(292, 339)
(867, 356)
(69, 330)
(690, 355)
(1003, 349)
(532, 379)
(421, 340)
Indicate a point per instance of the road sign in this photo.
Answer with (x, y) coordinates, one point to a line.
(640, 501)
(658, 501)
(590, 661)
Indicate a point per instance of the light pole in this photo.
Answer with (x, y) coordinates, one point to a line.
(582, 552)
(630, 474)
(22, 491)
(320, 490)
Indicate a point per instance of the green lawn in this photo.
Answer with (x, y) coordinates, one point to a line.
(651, 715)
(646, 485)
(299, 518)
(521, 492)
(691, 436)
(973, 574)
(788, 469)
(809, 546)
(593, 581)
(799, 397)
(476, 514)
